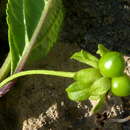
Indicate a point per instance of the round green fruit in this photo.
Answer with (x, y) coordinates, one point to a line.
(121, 86)
(112, 64)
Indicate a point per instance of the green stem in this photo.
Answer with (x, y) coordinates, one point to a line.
(5, 69)
(32, 72)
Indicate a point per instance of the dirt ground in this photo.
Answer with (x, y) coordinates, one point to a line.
(90, 22)
(40, 102)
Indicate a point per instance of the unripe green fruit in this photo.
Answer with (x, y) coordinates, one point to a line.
(112, 64)
(121, 86)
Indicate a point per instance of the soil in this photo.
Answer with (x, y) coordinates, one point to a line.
(89, 23)
(40, 102)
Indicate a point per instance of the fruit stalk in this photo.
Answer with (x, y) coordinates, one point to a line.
(34, 72)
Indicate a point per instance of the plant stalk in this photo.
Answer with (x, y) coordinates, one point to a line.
(33, 40)
(5, 69)
(34, 72)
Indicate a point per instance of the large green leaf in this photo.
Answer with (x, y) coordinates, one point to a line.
(33, 27)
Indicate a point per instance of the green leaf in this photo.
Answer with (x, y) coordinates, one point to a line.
(102, 50)
(93, 97)
(78, 91)
(85, 57)
(5, 68)
(99, 88)
(98, 105)
(33, 28)
(87, 75)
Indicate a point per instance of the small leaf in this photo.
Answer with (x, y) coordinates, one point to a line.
(98, 105)
(85, 57)
(87, 75)
(102, 50)
(78, 91)
(94, 97)
(100, 87)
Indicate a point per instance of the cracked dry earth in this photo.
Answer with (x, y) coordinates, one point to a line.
(40, 102)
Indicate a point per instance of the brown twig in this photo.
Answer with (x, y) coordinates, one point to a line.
(120, 120)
